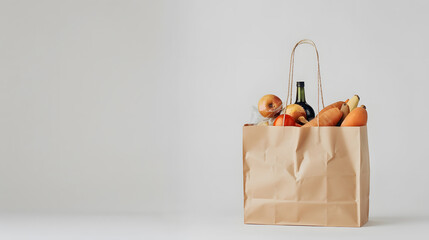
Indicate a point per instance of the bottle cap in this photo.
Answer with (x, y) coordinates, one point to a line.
(300, 84)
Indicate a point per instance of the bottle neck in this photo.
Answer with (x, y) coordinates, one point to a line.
(300, 95)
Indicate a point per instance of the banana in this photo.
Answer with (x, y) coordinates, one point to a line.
(345, 110)
(353, 102)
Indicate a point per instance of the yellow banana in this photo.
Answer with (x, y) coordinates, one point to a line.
(353, 102)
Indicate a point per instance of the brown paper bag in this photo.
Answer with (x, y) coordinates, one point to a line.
(306, 176)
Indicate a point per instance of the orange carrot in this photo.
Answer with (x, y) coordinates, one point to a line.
(328, 117)
(346, 100)
(333, 105)
(357, 117)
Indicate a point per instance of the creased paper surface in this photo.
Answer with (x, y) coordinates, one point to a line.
(306, 176)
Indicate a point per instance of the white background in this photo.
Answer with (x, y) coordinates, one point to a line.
(112, 108)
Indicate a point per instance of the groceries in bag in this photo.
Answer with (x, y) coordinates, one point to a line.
(344, 114)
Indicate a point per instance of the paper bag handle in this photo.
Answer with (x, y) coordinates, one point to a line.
(319, 79)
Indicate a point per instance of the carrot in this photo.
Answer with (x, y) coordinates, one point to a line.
(346, 100)
(333, 105)
(357, 117)
(328, 117)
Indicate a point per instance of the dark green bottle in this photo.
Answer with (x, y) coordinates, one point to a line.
(300, 100)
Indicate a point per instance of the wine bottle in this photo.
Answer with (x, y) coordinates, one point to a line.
(300, 100)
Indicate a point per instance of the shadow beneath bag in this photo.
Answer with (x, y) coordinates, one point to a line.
(396, 220)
